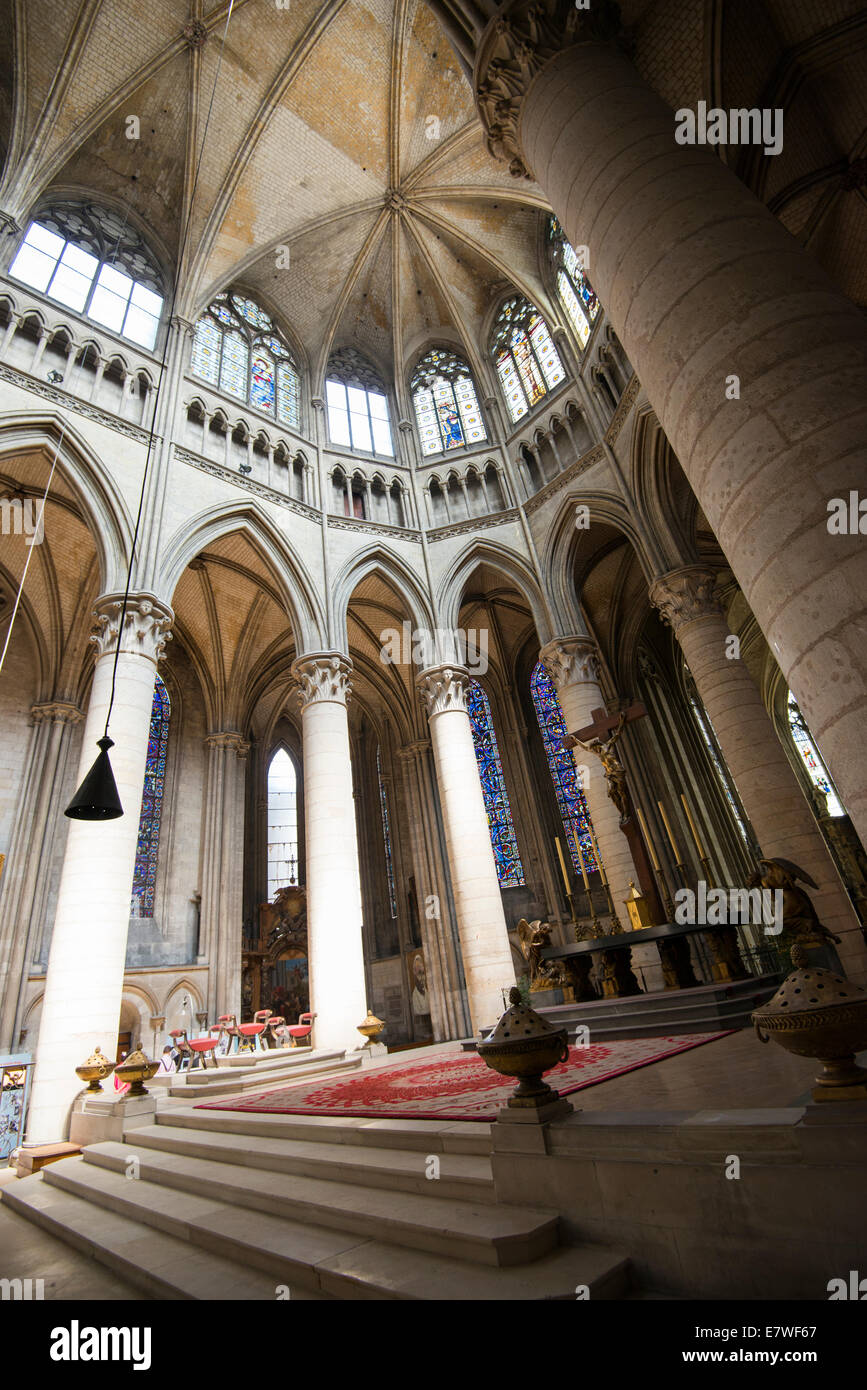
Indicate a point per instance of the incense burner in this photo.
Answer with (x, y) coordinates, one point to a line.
(524, 1045)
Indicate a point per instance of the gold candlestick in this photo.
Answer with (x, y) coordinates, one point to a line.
(691, 823)
(670, 833)
(597, 928)
(647, 840)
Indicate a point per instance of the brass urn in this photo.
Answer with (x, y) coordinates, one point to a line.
(525, 1045)
(371, 1028)
(816, 1013)
(136, 1069)
(95, 1069)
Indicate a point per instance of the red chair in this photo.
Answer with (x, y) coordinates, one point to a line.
(228, 1024)
(250, 1034)
(277, 1035)
(182, 1044)
(202, 1049)
(302, 1030)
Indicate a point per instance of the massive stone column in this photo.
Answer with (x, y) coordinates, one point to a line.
(335, 954)
(28, 868)
(767, 786)
(223, 870)
(487, 956)
(703, 285)
(84, 981)
(573, 665)
(445, 980)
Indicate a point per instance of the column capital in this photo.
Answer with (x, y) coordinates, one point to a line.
(228, 739)
(443, 688)
(323, 676)
(411, 752)
(56, 712)
(571, 661)
(184, 327)
(685, 595)
(145, 628)
(516, 45)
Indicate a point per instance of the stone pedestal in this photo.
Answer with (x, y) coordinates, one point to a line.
(97, 1118)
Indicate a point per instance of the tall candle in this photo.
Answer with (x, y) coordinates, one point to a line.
(692, 827)
(602, 874)
(581, 862)
(670, 833)
(647, 840)
(563, 866)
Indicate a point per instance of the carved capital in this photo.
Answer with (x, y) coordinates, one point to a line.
(685, 595)
(571, 661)
(145, 627)
(412, 752)
(516, 45)
(443, 688)
(230, 740)
(56, 712)
(323, 676)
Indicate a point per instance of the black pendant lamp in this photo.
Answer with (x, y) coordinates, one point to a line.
(97, 798)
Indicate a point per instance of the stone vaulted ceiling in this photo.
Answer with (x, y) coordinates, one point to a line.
(344, 178)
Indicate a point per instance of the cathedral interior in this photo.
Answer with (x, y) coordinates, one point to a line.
(438, 479)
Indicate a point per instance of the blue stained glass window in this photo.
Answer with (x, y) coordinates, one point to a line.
(262, 383)
(510, 870)
(386, 836)
(816, 769)
(527, 361)
(446, 407)
(236, 348)
(570, 798)
(147, 848)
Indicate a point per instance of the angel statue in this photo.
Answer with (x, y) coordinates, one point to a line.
(800, 920)
(534, 938)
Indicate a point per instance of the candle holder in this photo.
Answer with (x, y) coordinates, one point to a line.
(708, 873)
(667, 902)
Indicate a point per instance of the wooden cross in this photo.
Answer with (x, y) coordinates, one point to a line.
(604, 723)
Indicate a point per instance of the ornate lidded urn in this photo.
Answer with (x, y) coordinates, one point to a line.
(525, 1045)
(371, 1028)
(136, 1069)
(816, 1013)
(95, 1069)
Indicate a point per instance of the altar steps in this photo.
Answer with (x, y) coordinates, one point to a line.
(267, 1069)
(225, 1206)
(705, 1009)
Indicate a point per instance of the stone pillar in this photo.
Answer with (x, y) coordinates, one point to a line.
(487, 956)
(448, 994)
(770, 792)
(27, 875)
(335, 954)
(573, 665)
(223, 871)
(703, 285)
(84, 981)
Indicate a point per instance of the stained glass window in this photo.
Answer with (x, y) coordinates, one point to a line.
(510, 871)
(446, 407)
(282, 823)
(236, 347)
(526, 359)
(818, 773)
(571, 801)
(575, 292)
(87, 259)
(147, 848)
(386, 836)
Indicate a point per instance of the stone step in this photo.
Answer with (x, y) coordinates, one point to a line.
(476, 1231)
(708, 1008)
(278, 1056)
(162, 1266)
(225, 1083)
(426, 1136)
(464, 1177)
(241, 1247)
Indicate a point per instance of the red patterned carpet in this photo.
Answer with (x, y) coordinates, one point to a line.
(452, 1087)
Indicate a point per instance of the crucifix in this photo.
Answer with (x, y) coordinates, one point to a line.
(599, 737)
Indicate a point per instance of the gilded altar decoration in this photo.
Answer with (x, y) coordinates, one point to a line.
(637, 908)
(94, 1070)
(371, 1028)
(534, 937)
(525, 1045)
(816, 1013)
(801, 925)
